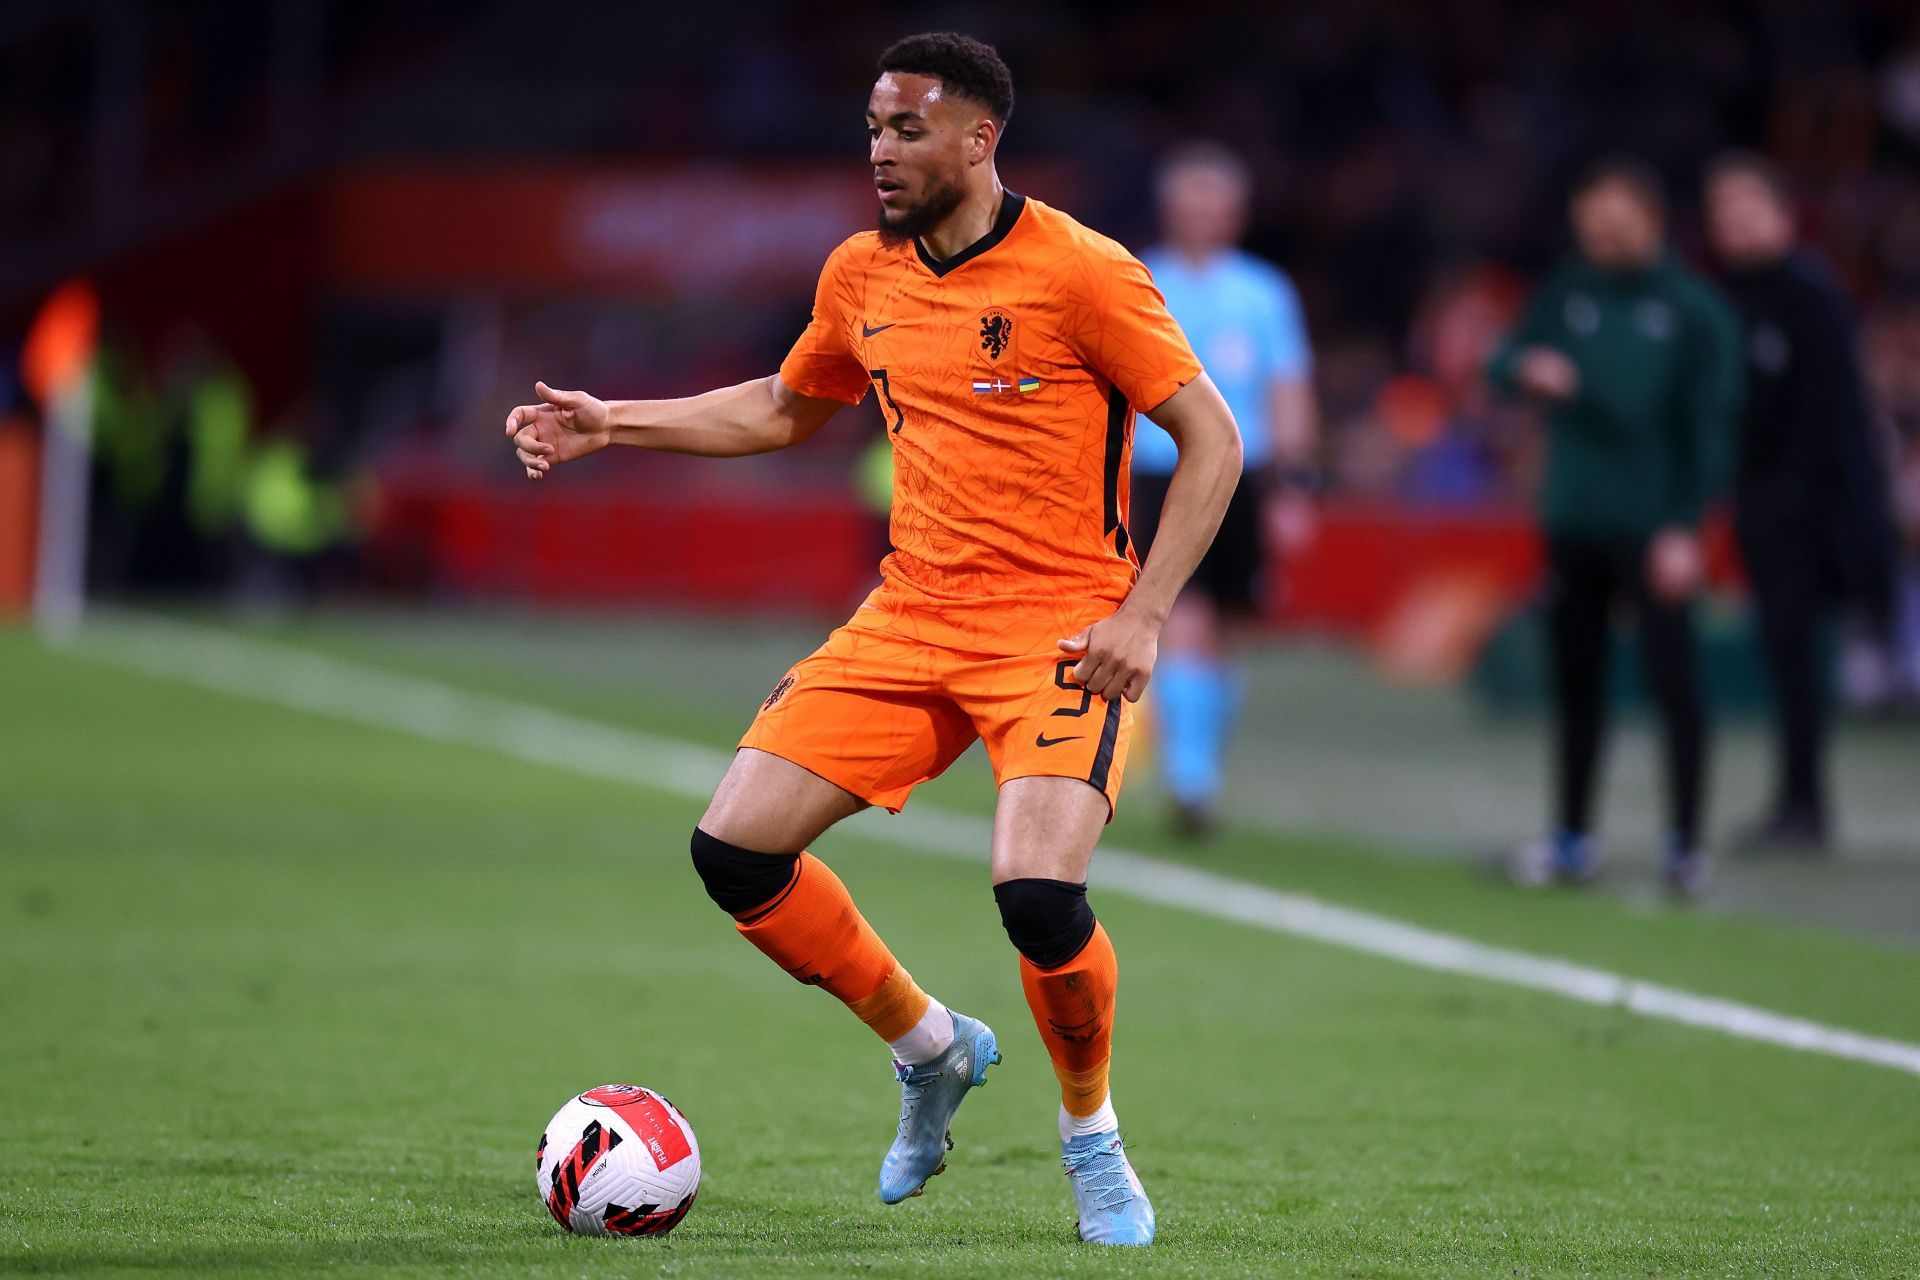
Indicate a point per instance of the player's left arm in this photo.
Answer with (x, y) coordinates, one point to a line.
(1286, 356)
(1293, 419)
(1293, 476)
(1118, 652)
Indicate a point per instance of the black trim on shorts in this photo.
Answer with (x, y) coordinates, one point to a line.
(1116, 446)
(1103, 758)
(1010, 206)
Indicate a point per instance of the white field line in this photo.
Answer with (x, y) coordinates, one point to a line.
(231, 664)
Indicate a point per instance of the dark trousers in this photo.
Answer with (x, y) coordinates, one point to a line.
(1587, 579)
(1784, 562)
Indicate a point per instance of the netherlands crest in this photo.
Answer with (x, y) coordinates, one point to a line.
(996, 331)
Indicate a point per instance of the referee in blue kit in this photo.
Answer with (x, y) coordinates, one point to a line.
(1243, 318)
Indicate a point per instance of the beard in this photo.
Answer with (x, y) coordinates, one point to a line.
(896, 227)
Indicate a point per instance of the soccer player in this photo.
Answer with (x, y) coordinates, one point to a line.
(1009, 347)
(1637, 361)
(1243, 319)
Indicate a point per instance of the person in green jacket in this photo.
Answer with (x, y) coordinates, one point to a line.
(1636, 361)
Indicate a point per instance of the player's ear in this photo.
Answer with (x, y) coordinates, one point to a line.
(985, 134)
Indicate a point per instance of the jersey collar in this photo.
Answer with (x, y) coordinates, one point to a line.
(1011, 204)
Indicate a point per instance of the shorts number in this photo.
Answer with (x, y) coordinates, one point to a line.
(1061, 671)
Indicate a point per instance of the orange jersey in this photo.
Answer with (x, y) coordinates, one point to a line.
(1008, 377)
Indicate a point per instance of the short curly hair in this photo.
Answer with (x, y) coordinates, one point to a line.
(962, 64)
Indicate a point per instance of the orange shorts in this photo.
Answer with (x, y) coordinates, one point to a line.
(894, 696)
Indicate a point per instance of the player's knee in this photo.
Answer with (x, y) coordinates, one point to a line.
(740, 880)
(1048, 921)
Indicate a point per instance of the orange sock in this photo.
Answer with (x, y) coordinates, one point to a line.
(1073, 1007)
(813, 931)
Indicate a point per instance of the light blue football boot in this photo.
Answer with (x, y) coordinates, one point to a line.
(929, 1095)
(1113, 1208)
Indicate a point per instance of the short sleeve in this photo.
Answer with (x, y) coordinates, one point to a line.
(821, 363)
(1285, 349)
(1119, 324)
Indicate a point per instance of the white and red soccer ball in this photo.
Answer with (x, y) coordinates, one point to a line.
(618, 1161)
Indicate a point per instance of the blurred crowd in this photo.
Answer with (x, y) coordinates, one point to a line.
(1411, 163)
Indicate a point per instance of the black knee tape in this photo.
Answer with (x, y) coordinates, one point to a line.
(1049, 921)
(739, 880)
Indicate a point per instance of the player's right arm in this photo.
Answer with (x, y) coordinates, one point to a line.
(819, 375)
(754, 417)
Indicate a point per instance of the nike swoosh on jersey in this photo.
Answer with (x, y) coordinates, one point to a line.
(1042, 740)
(868, 333)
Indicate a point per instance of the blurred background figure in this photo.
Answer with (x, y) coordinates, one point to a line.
(1244, 321)
(196, 497)
(1893, 376)
(1636, 360)
(1810, 491)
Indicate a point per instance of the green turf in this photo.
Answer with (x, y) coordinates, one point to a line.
(280, 995)
(612, 673)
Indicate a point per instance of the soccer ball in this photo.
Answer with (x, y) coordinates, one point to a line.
(618, 1161)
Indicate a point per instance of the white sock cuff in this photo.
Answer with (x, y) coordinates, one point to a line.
(929, 1037)
(1101, 1121)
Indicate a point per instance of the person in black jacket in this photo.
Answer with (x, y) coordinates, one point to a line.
(1810, 495)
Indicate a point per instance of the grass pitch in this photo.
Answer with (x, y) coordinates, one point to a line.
(281, 995)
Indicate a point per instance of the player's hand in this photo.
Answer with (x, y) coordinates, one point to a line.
(565, 425)
(1676, 564)
(1547, 373)
(1117, 655)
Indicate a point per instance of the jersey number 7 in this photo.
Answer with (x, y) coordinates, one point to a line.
(886, 393)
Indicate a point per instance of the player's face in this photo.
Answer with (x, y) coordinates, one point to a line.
(1617, 229)
(1202, 207)
(921, 141)
(1746, 221)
